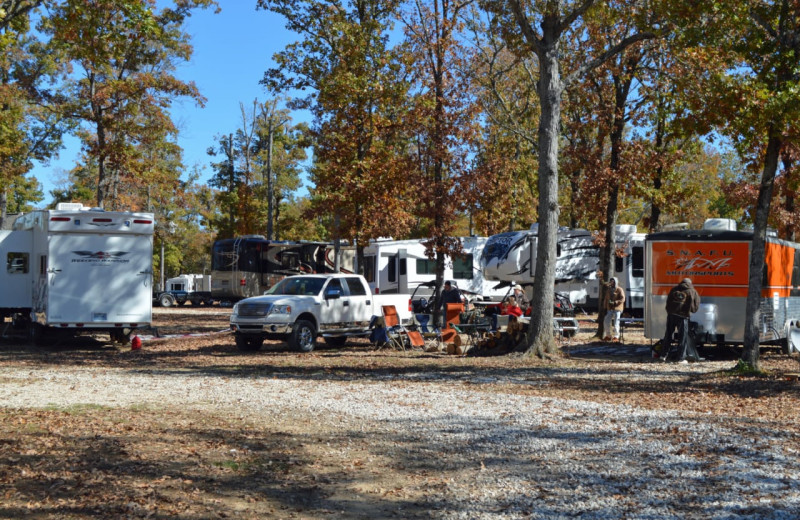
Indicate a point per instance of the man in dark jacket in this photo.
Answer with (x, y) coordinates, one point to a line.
(682, 301)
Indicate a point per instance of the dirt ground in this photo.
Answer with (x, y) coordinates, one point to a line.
(163, 462)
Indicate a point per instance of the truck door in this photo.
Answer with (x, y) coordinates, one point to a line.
(359, 311)
(99, 279)
(334, 312)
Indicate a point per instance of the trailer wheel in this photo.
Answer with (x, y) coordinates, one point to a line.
(166, 300)
(304, 337)
(248, 344)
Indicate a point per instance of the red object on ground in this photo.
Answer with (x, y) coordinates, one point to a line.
(136, 343)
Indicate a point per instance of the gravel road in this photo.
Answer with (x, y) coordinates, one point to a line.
(504, 455)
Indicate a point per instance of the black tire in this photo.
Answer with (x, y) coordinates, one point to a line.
(182, 303)
(336, 341)
(304, 336)
(196, 303)
(248, 343)
(166, 300)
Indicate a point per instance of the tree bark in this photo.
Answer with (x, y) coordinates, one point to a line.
(757, 251)
(550, 89)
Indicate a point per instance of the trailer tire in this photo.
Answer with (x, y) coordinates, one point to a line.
(166, 300)
(248, 343)
(304, 336)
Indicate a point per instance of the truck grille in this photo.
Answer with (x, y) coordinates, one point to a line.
(254, 309)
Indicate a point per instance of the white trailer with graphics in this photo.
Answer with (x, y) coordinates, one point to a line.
(78, 269)
(511, 257)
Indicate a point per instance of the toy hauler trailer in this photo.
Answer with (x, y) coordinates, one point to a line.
(401, 267)
(718, 262)
(76, 269)
(248, 265)
(511, 257)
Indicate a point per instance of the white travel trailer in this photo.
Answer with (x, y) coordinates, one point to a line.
(511, 257)
(400, 266)
(75, 268)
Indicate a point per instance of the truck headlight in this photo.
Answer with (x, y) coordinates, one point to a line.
(281, 309)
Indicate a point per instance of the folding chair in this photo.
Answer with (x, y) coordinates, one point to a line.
(430, 334)
(452, 317)
(397, 334)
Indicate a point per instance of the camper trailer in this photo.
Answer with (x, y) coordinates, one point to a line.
(511, 257)
(248, 265)
(75, 268)
(401, 266)
(717, 260)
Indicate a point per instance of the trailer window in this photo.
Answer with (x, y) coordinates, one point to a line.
(392, 268)
(796, 269)
(637, 262)
(426, 266)
(369, 269)
(619, 263)
(462, 267)
(17, 263)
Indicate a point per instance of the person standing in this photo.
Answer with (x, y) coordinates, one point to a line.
(682, 301)
(450, 294)
(614, 304)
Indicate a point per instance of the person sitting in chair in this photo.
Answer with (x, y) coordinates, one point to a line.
(511, 308)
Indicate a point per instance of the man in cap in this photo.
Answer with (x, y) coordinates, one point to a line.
(681, 302)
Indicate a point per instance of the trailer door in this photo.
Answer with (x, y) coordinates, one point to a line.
(99, 280)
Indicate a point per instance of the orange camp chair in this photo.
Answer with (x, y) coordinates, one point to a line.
(452, 316)
(397, 333)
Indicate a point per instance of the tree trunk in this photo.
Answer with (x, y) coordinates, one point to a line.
(550, 90)
(757, 251)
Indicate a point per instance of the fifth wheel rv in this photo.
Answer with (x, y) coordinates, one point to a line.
(511, 257)
(75, 268)
(718, 262)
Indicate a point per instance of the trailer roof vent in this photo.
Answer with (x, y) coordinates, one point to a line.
(723, 224)
(675, 227)
(626, 229)
(69, 206)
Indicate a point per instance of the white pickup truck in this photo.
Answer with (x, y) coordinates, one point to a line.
(301, 308)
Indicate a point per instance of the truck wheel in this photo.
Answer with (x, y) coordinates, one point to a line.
(304, 337)
(196, 303)
(247, 343)
(336, 341)
(166, 300)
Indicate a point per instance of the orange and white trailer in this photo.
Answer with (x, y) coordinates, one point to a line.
(718, 262)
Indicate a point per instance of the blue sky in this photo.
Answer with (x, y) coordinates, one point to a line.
(232, 49)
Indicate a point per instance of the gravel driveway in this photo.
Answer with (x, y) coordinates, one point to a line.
(485, 454)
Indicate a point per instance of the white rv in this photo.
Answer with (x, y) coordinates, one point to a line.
(400, 266)
(511, 257)
(75, 268)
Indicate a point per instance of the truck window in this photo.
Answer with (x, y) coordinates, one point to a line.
(355, 286)
(462, 267)
(334, 284)
(17, 263)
